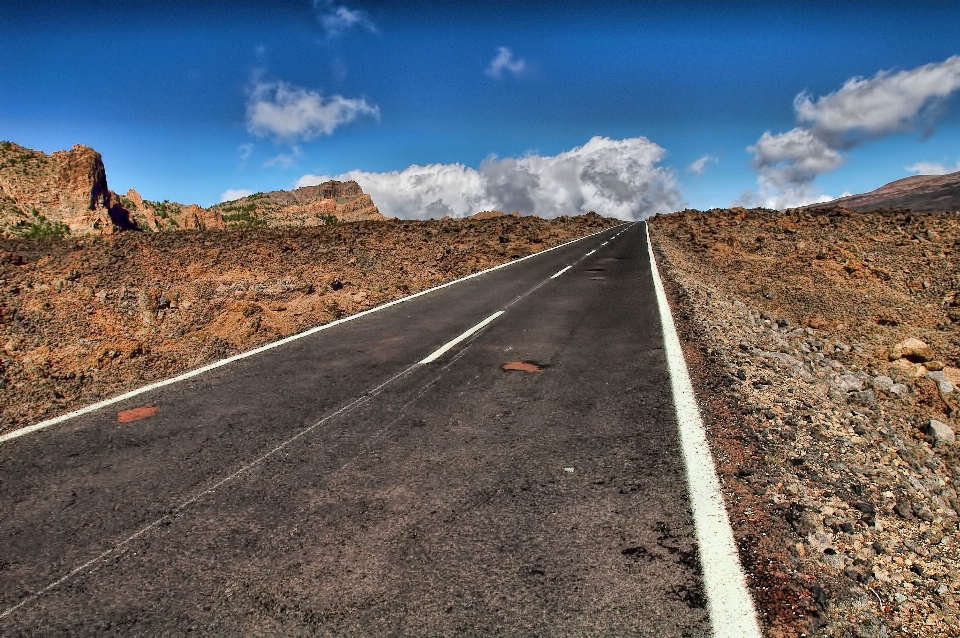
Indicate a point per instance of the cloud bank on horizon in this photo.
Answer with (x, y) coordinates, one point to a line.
(616, 178)
(620, 178)
(861, 111)
(933, 168)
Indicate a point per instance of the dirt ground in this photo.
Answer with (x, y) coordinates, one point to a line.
(87, 318)
(840, 488)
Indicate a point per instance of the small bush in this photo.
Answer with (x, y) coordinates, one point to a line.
(39, 227)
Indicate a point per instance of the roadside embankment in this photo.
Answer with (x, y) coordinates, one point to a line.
(826, 350)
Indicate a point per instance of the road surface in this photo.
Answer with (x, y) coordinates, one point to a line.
(340, 485)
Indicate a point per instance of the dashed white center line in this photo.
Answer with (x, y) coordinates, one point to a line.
(439, 353)
(591, 252)
(605, 243)
(561, 272)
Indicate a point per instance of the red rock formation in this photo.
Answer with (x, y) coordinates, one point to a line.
(68, 191)
(66, 187)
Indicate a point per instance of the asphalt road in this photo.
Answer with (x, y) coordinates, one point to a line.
(336, 486)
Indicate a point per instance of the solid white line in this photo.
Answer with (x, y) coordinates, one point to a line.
(591, 252)
(731, 610)
(249, 353)
(436, 355)
(561, 272)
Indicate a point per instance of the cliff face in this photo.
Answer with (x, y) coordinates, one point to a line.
(162, 216)
(325, 203)
(65, 192)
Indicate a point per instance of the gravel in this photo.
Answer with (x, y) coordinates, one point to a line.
(847, 517)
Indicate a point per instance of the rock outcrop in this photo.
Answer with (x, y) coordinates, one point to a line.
(66, 193)
(166, 215)
(62, 193)
(326, 203)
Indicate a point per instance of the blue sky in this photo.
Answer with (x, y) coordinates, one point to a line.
(189, 100)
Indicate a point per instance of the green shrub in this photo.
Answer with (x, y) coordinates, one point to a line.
(243, 219)
(39, 227)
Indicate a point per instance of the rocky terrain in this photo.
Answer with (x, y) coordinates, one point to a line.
(66, 193)
(59, 194)
(306, 206)
(923, 193)
(83, 318)
(825, 345)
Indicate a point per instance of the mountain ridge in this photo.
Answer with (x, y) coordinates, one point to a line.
(66, 193)
(921, 193)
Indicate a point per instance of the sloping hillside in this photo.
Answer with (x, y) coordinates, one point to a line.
(922, 193)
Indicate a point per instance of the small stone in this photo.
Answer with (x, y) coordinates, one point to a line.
(938, 433)
(903, 510)
(848, 383)
(882, 383)
(943, 384)
(925, 514)
(912, 350)
(913, 370)
(933, 365)
(898, 389)
(857, 574)
(952, 375)
(933, 536)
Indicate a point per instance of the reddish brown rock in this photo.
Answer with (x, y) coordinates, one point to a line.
(65, 192)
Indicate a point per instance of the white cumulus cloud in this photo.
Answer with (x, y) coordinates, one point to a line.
(700, 165)
(234, 193)
(337, 20)
(862, 110)
(787, 164)
(505, 61)
(617, 178)
(933, 168)
(287, 112)
(886, 103)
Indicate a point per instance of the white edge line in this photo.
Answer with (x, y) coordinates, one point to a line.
(269, 346)
(439, 352)
(732, 613)
(591, 252)
(561, 272)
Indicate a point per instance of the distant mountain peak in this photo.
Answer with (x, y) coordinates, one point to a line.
(922, 193)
